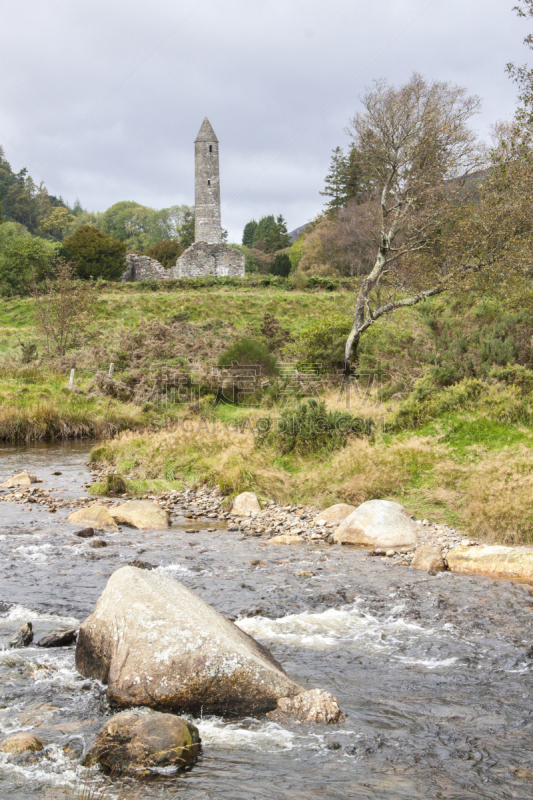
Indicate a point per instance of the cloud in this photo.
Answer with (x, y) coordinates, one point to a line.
(104, 99)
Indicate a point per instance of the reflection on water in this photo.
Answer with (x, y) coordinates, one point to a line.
(433, 672)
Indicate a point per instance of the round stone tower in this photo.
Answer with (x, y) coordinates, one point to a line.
(207, 225)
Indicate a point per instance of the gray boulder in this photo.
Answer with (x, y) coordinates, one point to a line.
(336, 513)
(142, 514)
(315, 706)
(428, 558)
(246, 504)
(378, 523)
(140, 742)
(155, 643)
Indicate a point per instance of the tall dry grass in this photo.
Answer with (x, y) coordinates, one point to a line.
(481, 491)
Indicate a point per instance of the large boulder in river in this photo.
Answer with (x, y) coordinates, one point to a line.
(95, 516)
(246, 504)
(495, 560)
(378, 523)
(155, 643)
(336, 513)
(141, 741)
(143, 514)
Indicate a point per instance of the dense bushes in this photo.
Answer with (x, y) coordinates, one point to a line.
(249, 352)
(500, 402)
(323, 343)
(95, 254)
(22, 258)
(309, 428)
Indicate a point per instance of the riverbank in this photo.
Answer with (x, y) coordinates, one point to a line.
(394, 644)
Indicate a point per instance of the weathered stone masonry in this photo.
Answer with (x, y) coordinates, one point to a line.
(208, 255)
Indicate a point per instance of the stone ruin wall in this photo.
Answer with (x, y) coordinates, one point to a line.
(198, 260)
(210, 259)
(142, 268)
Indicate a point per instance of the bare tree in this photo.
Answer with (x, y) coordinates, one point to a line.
(416, 144)
(63, 305)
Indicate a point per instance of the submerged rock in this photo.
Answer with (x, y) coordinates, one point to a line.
(21, 743)
(428, 558)
(155, 643)
(20, 479)
(246, 504)
(136, 741)
(496, 560)
(378, 523)
(23, 637)
(141, 514)
(314, 706)
(58, 639)
(95, 516)
(287, 538)
(336, 513)
(85, 533)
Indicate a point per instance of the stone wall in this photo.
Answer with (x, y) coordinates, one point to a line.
(210, 259)
(198, 260)
(141, 268)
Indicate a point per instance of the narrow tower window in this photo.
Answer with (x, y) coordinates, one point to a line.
(210, 148)
(209, 183)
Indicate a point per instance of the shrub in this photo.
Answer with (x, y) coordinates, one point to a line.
(166, 252)
(249, 352)
(114, 485)
(95, 254)
(323, 343)
(310, 427)
(23, 258)
(281, 265)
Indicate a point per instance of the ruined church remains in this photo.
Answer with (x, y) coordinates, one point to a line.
(209, 255)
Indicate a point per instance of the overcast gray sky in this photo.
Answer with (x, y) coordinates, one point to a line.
(103, 99)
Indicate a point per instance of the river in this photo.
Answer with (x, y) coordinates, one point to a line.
(433, 671)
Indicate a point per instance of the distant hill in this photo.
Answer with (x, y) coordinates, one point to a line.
(297, 231)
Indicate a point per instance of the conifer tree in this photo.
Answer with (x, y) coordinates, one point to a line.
(248, 233)
(336, 180)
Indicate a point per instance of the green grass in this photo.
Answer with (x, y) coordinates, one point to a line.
(462, 433)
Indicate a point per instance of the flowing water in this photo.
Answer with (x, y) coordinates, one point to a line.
(434, 672)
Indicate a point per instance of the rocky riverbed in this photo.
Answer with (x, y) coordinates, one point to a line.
(433, 670)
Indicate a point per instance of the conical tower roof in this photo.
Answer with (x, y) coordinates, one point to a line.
(206, 133)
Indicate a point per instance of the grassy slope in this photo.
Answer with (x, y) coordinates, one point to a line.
(34, 404)
(466, 462)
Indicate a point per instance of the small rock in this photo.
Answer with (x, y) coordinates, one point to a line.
(246, 504)
(23, 637)
(96, 543)
(390, 553)
(21, 743)
(428, 558)
(140, 564)
(58, 639)
(333, 514)
(20, 479)
(133, 742)
(141, 514)
(85, 533)
(287, 538)
(315, 706)
(96, 516)
(305, 574)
